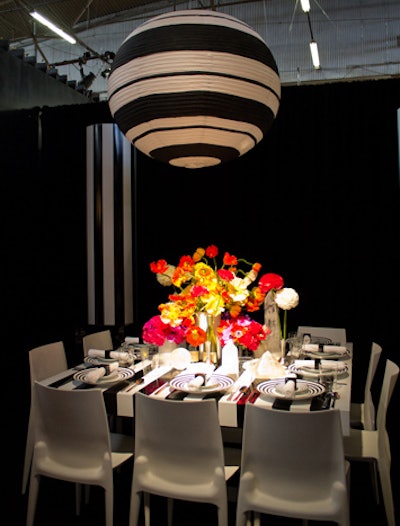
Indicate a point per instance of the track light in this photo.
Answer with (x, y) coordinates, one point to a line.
(305, 5)
(315, 54)
(53, 27)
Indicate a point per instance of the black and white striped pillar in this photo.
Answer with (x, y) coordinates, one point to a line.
(109, 226)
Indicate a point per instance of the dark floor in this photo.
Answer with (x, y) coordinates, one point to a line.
(56, 505)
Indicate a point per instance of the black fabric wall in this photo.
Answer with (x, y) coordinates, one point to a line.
(317, 202)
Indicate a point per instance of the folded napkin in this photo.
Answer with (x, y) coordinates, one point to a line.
(289, 387)
(197, 381)
(94, 375)
(327, 349)
(328, 365)
(122, 356)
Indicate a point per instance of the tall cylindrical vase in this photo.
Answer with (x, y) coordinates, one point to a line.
(211, 349)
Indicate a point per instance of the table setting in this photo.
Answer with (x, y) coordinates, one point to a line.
(205, 344)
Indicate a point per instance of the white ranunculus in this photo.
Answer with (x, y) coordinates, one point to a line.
(165, 278)
(286, 298)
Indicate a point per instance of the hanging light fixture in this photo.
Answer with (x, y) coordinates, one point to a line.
(40, 18)
(194, 88)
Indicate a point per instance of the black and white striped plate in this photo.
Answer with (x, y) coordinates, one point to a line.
(304, 389)
(121, 373)
(216, 383)
(316, 373)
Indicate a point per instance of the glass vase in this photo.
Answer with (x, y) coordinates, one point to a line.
(211, 349)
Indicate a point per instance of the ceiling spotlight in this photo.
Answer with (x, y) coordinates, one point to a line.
(53, 27)
(106, 73)
(86, 81)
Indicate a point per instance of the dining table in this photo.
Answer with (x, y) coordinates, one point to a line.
(231, 392)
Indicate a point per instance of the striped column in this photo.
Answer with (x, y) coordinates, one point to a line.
(109, 226)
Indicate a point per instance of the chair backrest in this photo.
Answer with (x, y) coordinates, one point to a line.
(337, 335)
(389, 381)
(293, 464)
(97, 340)
(369, 407)
(178, 439)
(47, 360)
(72, 440)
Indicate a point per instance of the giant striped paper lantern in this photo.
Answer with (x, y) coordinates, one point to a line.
(194, 88)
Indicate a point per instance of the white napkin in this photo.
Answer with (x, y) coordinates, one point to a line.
(324, 365)
(289, 387)
(122, 356)
(328, 349)
(93, 376)
(230, 359)
(197, 381)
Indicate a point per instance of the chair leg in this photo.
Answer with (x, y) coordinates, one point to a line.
(78, 498)
(386, 486)
(374, 478)
(32, 499)
(28, 457)
(256, 519)
(170, 510)
(146, 509)
(109, 505)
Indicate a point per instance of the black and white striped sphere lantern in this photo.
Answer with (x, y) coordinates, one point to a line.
(194, 88)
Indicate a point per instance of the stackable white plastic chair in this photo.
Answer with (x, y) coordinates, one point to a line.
(362, 415)
(97, 340)
(374, 445)
(337, 335)
(44, 361)
(179, 454)
(293, 466)
(73, 443)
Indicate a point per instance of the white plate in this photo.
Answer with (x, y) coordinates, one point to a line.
(121, 374)
(304, 389)
(309, 371)
(217, 382)
(252, 365)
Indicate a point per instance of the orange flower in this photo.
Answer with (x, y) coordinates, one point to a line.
(212, 251)
(229, 259)
(198, 254)
(159, 267)
(195, 336)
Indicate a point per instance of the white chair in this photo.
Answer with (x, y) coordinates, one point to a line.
(362, 415)
(374, 446)
(178, 455)
(337, 335)
(97, 340)
(73, 443)
(293, 466)
(44, 361)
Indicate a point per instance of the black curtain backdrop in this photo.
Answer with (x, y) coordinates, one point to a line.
(317, 202)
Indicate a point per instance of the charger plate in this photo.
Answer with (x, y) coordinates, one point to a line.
(304, 389)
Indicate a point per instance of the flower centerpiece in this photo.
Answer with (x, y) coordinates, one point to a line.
(200, 285)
